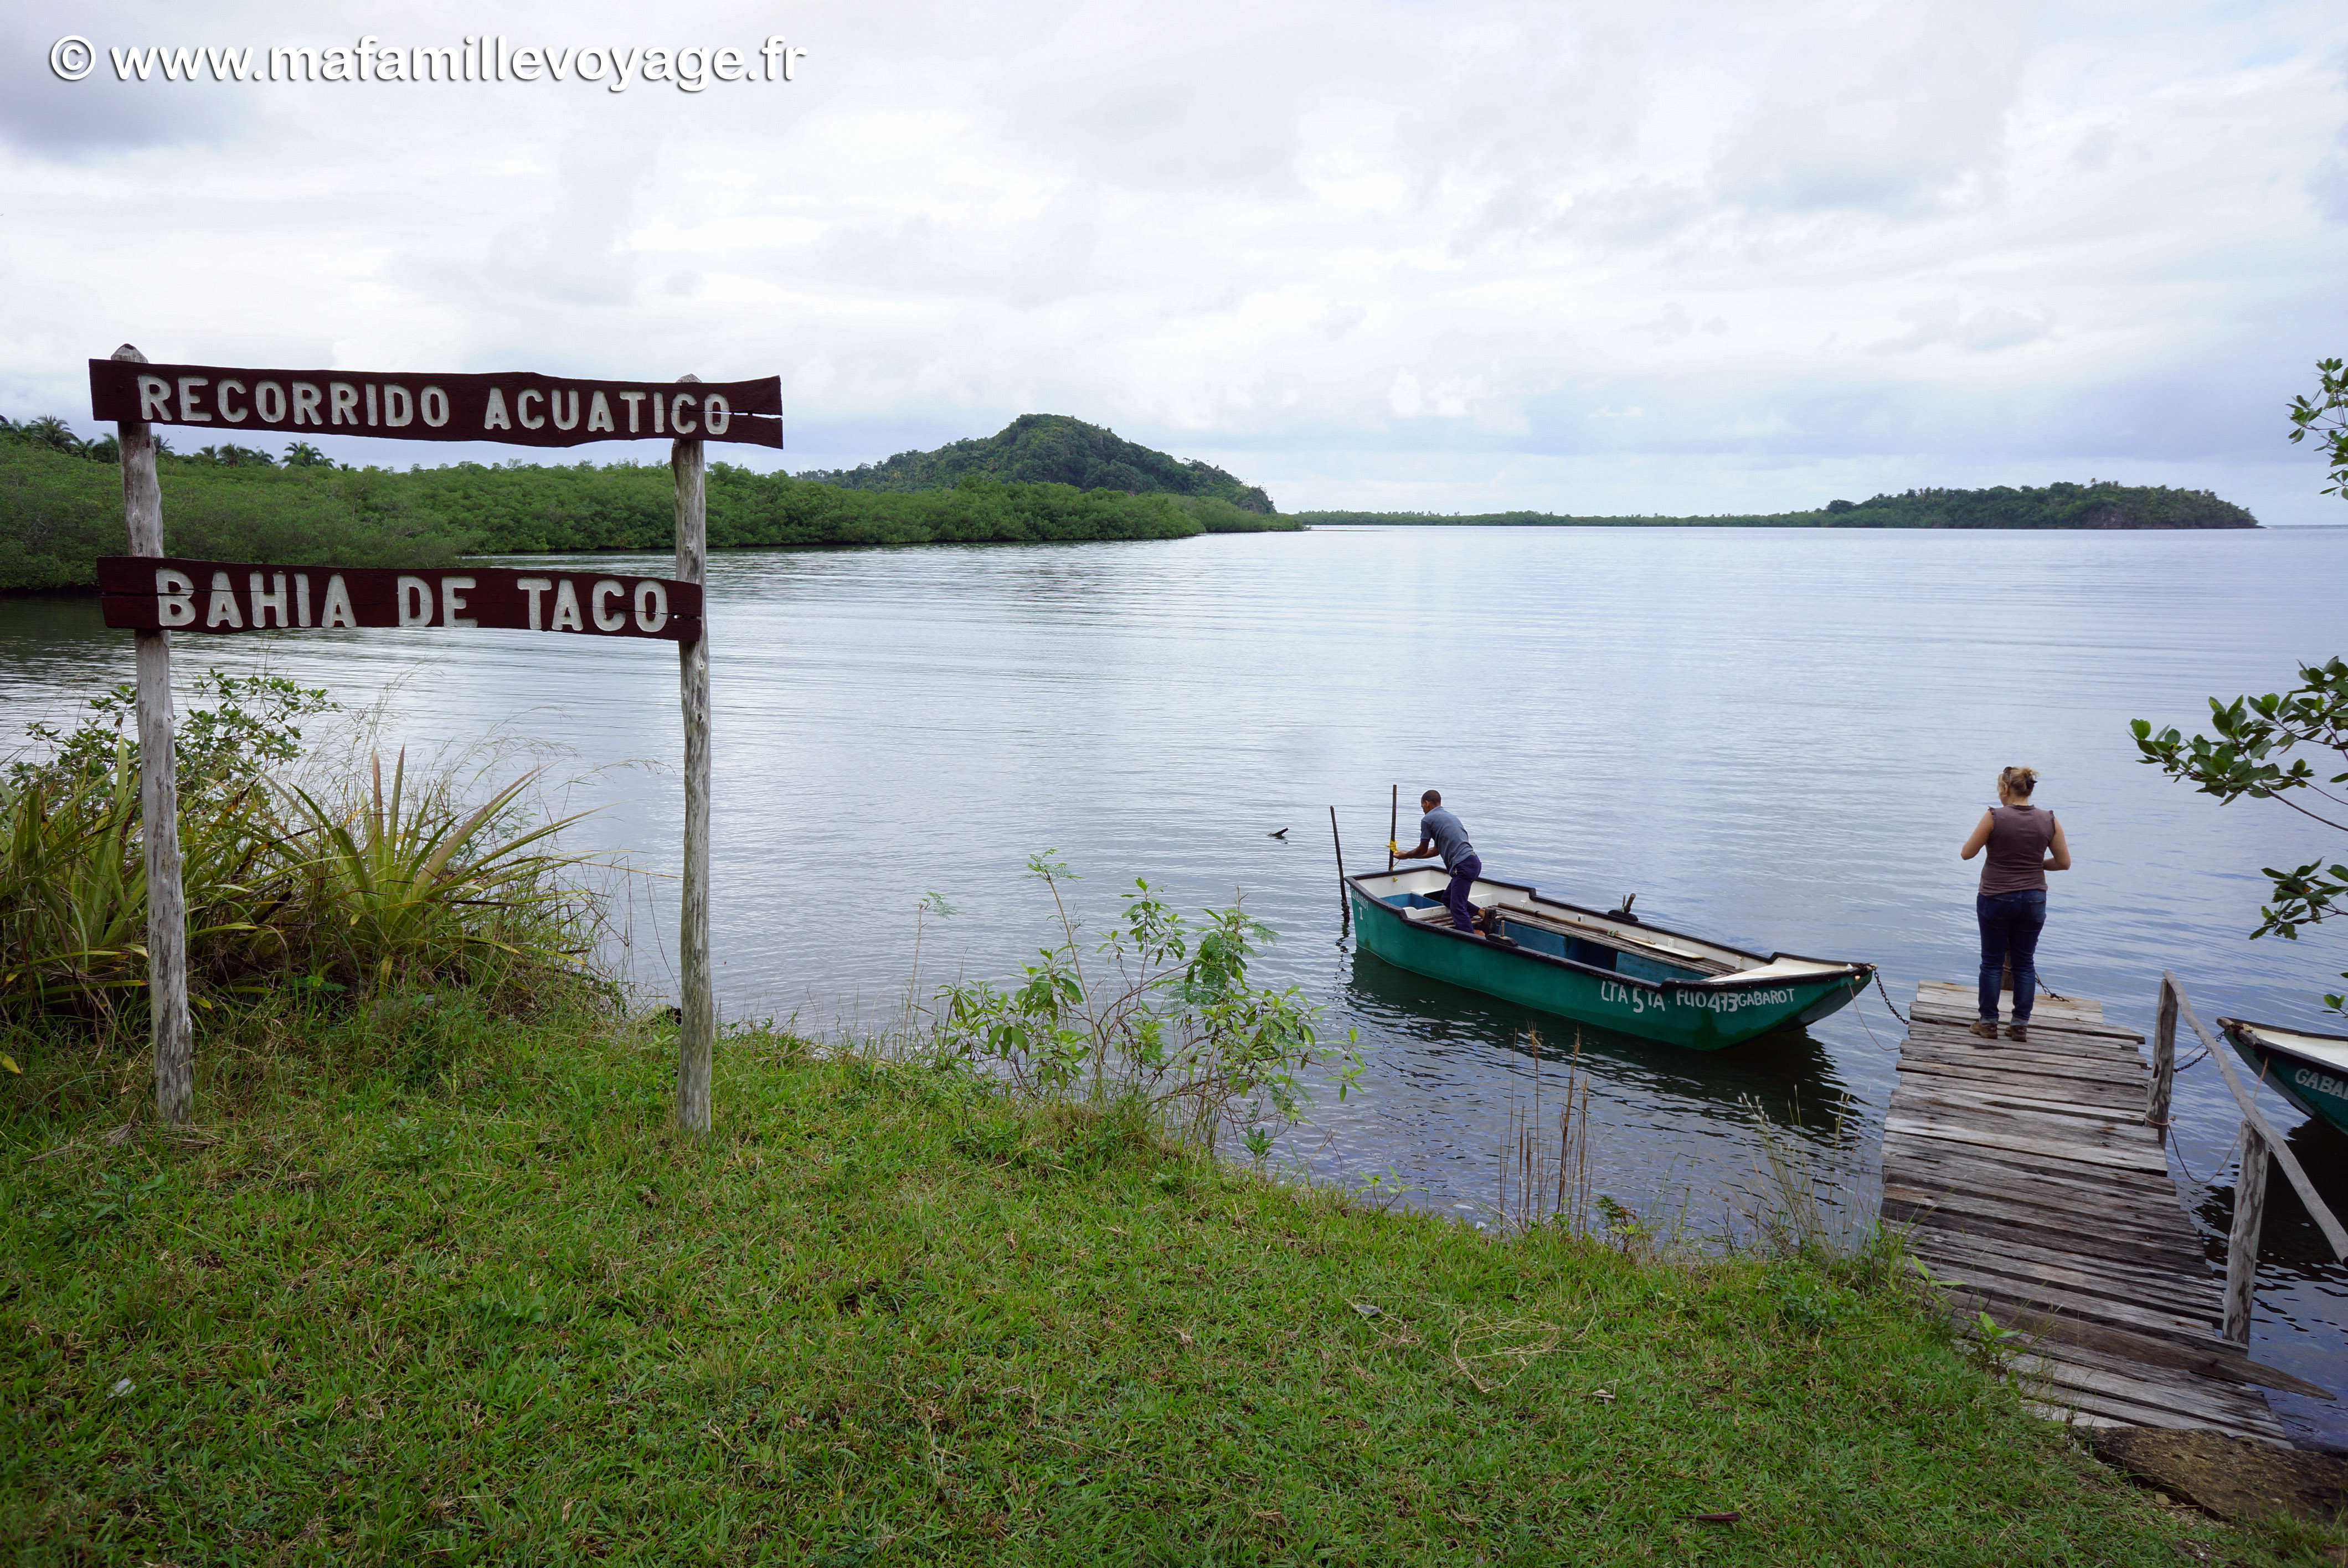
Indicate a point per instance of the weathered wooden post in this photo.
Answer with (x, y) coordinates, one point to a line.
(1345, 903)
(159, 793)
(696, 1034)
(2242, 1241)
(2164, 1060)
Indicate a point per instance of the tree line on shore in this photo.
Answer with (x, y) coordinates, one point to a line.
(2097, 504)
(61, 509)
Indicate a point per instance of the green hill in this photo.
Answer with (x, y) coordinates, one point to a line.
(2099, 504)
(1050, 449)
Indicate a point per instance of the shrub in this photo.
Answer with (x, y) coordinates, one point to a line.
(1166, 1019)
(343, 887)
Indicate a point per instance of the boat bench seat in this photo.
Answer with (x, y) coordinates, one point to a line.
(1788, 969)
(1620, 940)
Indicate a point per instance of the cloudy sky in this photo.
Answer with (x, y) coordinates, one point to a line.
(1591, 258)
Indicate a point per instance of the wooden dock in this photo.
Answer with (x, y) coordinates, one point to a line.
(2036, 1191)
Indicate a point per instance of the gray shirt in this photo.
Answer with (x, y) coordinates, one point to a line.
(1442, 829)
(2019, 838)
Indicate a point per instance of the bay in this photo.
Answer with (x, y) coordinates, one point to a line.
(1777, 738)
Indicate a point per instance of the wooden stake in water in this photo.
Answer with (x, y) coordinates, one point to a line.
(1394, 824)
(159, 793)
(2242, 1239)
(696, 1033)
(1344, 905)
(2164, 1060)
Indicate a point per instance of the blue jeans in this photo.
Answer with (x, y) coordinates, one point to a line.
(2010, 924)
(1462, 913)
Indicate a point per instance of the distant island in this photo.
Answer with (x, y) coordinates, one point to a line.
(1043, 477)
(1051, 449)
(2097, 504)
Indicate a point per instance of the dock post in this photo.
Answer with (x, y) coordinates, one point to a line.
(2242, 1241)
(1345, 903)
(2164, 1060)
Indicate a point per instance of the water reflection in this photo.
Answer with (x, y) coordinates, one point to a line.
(1788, 1073)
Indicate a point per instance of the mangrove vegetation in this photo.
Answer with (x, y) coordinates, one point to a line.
(2099, 504)
(61, 509)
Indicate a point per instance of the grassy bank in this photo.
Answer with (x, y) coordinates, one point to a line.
(59, 512)
(435, 1287)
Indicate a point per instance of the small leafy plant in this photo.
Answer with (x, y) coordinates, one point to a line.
(2325, 418)
(1994, 1344)
(1163, 1015)
(2253, 734)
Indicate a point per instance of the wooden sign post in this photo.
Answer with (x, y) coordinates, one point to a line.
(697, 1028)
(152, 594)
(172, 1034)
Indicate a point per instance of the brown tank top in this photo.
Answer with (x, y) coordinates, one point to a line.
(2018, 838)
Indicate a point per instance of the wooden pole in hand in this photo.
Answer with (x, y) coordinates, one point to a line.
(696, 1034)
(158, 794)
(1345, 903)
(1394, 824)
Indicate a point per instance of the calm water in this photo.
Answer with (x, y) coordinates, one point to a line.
(1778, 738)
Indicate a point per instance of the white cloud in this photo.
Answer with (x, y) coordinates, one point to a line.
(2095, 234)
(1892, 107)
(1947, 322)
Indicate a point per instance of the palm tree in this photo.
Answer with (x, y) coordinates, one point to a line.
(52, 432)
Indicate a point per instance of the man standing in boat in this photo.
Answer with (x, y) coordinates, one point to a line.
(1439, 834)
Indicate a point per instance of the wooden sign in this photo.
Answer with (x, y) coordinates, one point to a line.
(153, 595)
(521, 409)
(149, 593)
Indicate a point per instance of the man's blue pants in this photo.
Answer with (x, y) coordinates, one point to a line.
(1463, 876)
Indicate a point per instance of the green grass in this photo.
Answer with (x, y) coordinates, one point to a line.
(445, 1289)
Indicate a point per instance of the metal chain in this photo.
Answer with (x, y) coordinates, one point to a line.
(1887, 1000)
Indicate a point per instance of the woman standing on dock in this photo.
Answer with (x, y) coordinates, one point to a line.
(2024, 844)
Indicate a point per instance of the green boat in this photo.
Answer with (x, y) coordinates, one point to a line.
(1612, 970)
(2310, 1070)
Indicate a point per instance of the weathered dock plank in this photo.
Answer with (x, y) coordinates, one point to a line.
(2034, 1191)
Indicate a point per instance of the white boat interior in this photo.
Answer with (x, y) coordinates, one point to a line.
(2327, 1050)
(1603, 940)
